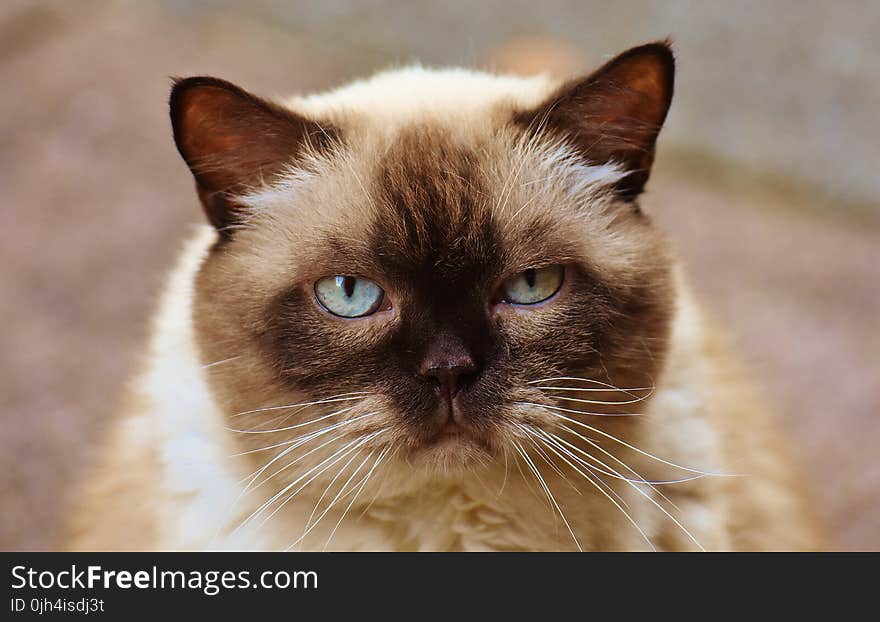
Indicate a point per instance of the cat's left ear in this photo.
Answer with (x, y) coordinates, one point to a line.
(614, 114)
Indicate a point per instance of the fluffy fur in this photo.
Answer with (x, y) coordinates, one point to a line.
(438, 185)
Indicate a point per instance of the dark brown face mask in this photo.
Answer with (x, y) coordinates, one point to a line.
(451, 351)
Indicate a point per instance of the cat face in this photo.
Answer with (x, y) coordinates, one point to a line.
(438, 290)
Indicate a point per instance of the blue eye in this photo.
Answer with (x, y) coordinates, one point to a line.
(349, 296)
(533, 285)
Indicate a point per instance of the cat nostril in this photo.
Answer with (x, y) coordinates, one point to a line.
(448, 376)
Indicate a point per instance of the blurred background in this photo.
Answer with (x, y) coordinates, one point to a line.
(767, 178)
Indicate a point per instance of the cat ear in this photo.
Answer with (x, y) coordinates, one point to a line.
(615, 114)
(233, 141)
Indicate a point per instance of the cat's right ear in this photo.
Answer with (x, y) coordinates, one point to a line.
(233, 141)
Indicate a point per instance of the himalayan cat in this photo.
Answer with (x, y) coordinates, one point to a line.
(429, 314)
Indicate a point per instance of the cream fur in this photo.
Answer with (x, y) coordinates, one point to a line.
(171, 438)
(411, 94)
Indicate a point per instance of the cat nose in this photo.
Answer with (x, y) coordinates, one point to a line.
(448, 371)
(448, 378)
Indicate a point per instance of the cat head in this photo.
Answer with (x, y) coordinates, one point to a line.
(430, 268)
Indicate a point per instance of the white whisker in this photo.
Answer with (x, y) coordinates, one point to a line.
(590, 380)
(546, 458)
(323, 466)
(641, 480)
(342, 397)
(634, 448)
(290, 464)
(579, 412)
(221, 362)
(260, 471)
(305, 437)
(354, 498)
(602, 402)
(309, 525)
(275, 497)
(378, 489)
(651, 484)
(547, 491)
(662, 509)
(596, 390)
(337, 457)
(593, 470)
(292, 427)
(256, 474)
(616, 504)
(506, 466)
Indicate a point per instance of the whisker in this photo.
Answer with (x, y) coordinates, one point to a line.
(547, 490)
(596, 389)
(652, 484)
(221, 362)
(262, 470)
(356, 495)
(590, 380)
(292, 427)
(256, 474)
(275, 497)
(283, 417)
(603, 402)
(513, 176)
(647, 496)
(579, 412)
(659, 507)
(326, 490)
(315, 476)
(354, 174)
(378, 490)
(250, 479)
(309, 525)
(546, 458)
(504, 481)
(289, 464)
(634, 448)
(641, 480)
(342, 397)
(535, 493)
(593, 470)
(616, 504)
(323, 466)
(308, 436)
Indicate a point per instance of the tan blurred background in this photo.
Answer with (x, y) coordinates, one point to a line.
(767, 178)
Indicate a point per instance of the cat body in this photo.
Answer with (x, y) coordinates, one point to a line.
(429, 315)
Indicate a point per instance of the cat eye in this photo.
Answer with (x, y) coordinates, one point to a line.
(349, 296)
(533, 285)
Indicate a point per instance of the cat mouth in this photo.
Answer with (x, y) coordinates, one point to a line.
(449, 433)
(450, 428)
(452, 445)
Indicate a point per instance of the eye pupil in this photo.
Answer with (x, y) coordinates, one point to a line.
(348, 283)
(530, 277)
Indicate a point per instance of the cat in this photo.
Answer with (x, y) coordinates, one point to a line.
(429, 314)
